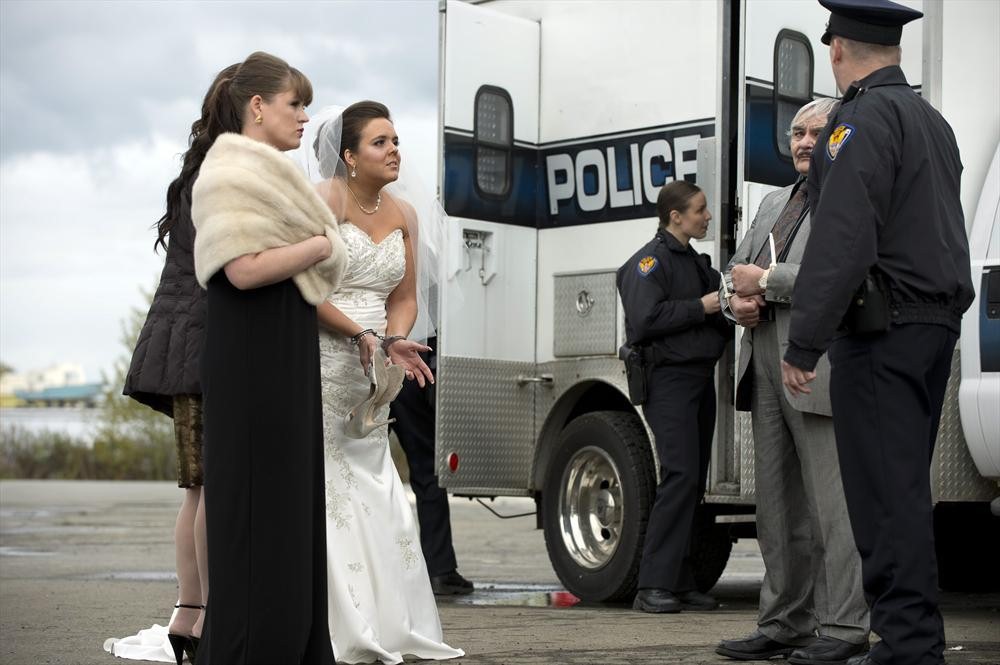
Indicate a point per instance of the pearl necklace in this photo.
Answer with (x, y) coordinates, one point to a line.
(378, 202)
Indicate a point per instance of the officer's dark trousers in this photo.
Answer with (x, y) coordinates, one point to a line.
(414, 413)
(680, 409)
(887, 390)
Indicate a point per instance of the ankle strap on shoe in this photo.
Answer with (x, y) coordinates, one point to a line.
(190, 607)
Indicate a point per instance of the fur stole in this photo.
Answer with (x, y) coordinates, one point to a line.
(249, 197)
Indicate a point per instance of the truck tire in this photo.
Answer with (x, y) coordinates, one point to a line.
(599, 489)
(711, 545)
(966, 541)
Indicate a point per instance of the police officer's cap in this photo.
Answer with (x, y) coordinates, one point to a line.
(870, 21)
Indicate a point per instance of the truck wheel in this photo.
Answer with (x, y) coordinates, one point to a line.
(711, 545)
(599, 489)
(966, 540)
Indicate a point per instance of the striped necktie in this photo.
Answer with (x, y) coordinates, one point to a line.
(784, 227)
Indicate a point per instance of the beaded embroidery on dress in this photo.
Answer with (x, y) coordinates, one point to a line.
(381, 604)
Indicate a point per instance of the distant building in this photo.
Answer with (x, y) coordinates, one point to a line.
(82, 394)
(57, 385)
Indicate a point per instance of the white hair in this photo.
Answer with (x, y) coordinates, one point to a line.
(821, 106)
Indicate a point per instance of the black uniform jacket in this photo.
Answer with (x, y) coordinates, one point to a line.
(661, 288)
(884, 185)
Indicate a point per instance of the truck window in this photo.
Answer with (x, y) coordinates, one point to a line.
(494, 136)
(793, 82)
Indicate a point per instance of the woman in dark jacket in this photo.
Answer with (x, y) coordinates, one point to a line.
(165, 373)
(670, 296)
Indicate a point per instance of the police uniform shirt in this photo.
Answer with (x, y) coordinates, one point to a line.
(884, 185)
(661, 287)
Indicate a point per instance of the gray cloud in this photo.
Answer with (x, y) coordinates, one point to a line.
(96, 100)
(78, 75)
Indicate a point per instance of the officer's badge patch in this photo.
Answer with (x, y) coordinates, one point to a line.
(647, 264)
(838, 139)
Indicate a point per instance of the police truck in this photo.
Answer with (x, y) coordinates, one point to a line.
(559, 123)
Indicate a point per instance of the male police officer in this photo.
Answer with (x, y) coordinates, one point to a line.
(888, 239)
(812, 579)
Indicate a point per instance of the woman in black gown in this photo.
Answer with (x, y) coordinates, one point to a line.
(261, 250)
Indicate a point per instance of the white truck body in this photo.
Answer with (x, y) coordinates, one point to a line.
(560, 122)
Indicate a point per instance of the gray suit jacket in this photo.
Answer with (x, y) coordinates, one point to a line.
(779, 290)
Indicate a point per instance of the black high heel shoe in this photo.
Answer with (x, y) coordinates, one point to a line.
(191, 648)
(185, 644)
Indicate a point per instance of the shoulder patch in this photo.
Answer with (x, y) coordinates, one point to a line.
(647, 264)
(838, 139)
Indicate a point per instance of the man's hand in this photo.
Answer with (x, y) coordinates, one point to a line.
(746, 279)
(746, 310)
(795, 379)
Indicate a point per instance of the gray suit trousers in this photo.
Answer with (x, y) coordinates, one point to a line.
(812, 579)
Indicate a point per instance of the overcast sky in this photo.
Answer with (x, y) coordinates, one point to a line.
(96, 103)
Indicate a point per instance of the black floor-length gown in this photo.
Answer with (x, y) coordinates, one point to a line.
(264, 484)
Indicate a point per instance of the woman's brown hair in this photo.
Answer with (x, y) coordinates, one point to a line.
(674, 196)
(222, 111)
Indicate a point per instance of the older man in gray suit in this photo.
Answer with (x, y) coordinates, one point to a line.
(812, 608)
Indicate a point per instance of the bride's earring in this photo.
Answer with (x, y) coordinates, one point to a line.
(354, 174)
(259, 119)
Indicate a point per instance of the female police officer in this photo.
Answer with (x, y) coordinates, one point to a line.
(670, 296)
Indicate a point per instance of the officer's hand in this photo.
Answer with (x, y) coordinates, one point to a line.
(795, 379)
(746, 278)
(710, 301)
(746, 310)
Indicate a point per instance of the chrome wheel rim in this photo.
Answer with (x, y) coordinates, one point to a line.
(591, 507)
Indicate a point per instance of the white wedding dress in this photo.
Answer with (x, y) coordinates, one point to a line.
(381, 604)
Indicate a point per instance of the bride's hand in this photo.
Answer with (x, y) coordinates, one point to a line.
(366, 350)
(407, 354)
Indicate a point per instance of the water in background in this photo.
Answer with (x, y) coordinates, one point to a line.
(77, 422)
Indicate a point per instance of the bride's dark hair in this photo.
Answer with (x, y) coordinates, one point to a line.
(222, 111)
(355, 118)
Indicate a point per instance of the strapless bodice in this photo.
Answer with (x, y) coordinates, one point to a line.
(373, 271)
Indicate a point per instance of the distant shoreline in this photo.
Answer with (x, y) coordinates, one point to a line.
(77, 422)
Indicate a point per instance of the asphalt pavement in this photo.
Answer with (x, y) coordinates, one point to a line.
(81, 562)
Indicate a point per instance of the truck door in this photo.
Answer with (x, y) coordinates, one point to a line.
(783, 66)
(486, 394)
(979, 393)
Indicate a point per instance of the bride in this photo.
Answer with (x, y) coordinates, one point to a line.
(381, 607)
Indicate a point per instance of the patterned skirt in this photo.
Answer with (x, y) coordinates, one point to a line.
(187, 431)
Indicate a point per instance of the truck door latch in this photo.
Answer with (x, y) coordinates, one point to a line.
(543, 379)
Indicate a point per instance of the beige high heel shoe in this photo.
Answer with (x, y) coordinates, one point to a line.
(360, 420)
(392, 377)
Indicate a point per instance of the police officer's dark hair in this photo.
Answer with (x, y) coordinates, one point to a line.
(674, 196)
